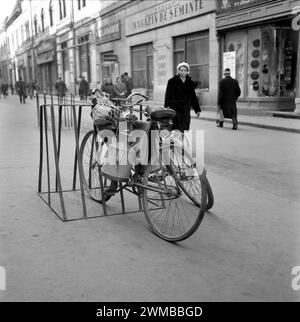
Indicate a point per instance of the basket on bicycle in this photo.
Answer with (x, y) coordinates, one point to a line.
(105, 113)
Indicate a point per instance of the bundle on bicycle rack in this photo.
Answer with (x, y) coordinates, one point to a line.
(104, 111)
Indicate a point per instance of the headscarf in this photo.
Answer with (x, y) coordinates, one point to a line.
(183, 64)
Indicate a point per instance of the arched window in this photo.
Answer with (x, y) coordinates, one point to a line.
(51, 13)
(42, 19)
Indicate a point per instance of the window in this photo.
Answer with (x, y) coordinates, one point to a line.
(235, 41)
(83, 3)
(64, 8)
(194, 49)
(35, 25)
(27, 29)
(142, 67)
(79, 4)
(42, 20)
(60, 11)
(266, 60)
(51, 14)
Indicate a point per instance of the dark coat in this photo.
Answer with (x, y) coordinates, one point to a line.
(108, 88)
(229, 92)
(21, 87)
(60, 87)
(180, 96)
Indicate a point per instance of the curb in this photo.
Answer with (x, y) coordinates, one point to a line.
(264, 126)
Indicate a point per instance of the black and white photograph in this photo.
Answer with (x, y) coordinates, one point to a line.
(150, 153)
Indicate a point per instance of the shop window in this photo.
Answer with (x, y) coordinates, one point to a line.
(84, 61)
(271, 60)
(235, 41)
(142, 66)
(194, 49)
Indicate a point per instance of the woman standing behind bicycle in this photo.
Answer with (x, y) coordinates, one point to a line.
(180, 96)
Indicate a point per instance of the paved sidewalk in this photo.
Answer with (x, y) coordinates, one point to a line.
(265, 120)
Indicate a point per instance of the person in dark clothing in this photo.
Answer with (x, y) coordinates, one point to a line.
(61, 89)
(108, 87)
(128, 82)
(180, 96)
(229, 92)
(83, 88)
(11, 88)
(21, 89)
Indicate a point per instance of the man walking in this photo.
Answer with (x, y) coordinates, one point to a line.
(61, 89)
(21, 89)
(229, 92)
(83, 88)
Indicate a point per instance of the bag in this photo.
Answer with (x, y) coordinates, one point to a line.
(219, 115)
(25, 96)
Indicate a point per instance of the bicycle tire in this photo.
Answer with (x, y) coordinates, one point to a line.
(195, 213)
(90, 169)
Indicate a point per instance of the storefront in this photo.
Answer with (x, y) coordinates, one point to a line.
(165, 34)
(46, 66)
(259, 35)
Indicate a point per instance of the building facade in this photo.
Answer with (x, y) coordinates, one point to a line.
(257, 39)
(148, 39)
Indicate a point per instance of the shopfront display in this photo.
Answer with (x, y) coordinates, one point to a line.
(270, 60)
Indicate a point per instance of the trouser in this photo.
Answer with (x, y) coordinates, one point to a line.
(22, 98)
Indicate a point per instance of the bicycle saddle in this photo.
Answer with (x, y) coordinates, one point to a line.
(161, 113)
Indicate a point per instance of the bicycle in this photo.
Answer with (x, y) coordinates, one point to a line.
(165, 193)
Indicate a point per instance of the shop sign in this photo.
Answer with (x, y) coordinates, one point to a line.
(44, 46)
(109, 32)
(229, 61)
(45, 57)
(231, 5)
(110, 57)
(166, 13)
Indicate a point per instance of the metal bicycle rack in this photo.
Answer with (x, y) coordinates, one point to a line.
(53, 194)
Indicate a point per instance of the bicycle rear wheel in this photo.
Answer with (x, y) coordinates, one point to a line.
(89, 166)
(168, 210)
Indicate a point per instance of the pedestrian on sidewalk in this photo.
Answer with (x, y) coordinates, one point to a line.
(108, 87)
(180, 96)
(61, 89)
(21, 90)
(120, 88)
(83, 88)
(128, 82)
(229, 92)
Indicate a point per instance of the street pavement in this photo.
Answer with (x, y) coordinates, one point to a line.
(244, 249)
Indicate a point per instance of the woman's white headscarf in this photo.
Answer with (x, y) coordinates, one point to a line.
(183, 64)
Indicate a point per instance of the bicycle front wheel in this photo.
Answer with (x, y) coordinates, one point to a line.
(168, 210)
(89, 167)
